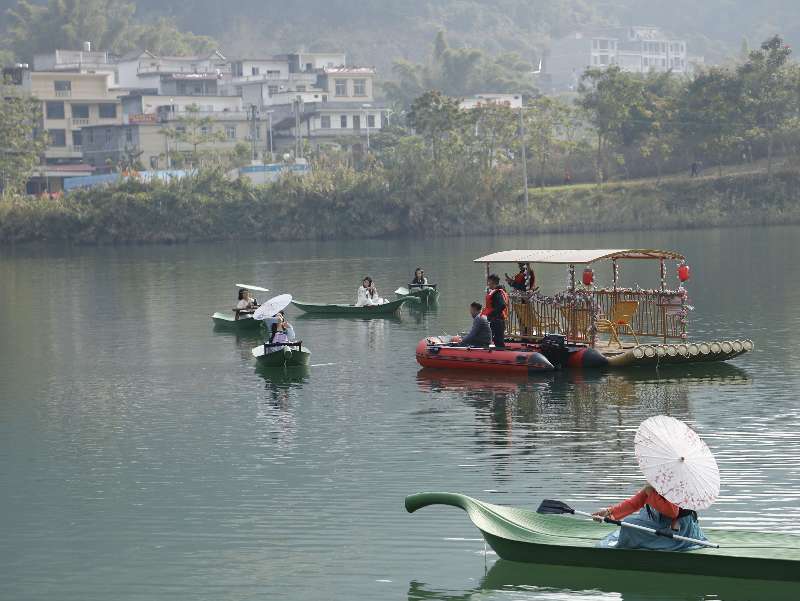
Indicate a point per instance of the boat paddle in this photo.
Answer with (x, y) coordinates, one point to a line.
(552, 507)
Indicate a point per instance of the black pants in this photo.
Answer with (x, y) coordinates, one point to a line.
(498, 327)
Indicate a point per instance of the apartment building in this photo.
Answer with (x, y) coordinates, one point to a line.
(72, 101)
(634, 49)
(173, 75)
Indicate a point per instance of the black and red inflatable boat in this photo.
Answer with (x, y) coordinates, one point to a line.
(517, 357)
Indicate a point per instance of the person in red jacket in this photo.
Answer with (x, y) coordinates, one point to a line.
(654, 511)
(496, 310)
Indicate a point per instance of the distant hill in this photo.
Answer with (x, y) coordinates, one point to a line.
(379, 31)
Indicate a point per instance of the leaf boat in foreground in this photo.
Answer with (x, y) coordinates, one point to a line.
(388, 308)
(523, 535)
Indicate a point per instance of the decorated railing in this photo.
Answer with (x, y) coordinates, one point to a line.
(577, 313)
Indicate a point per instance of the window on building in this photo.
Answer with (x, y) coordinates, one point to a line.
(57, 137)
(359, 87)
(341, 87)
(108, 111)
(62, 87)
(603, 44)
(370, 120)
(272, 90)
(109, 135)
(230, 132)
(325, 122)
(54, 110)
(356, 122)
(603, 59)
(204, 130)
(254, 71)
(129, 135)
(80, 111)
(301, 88)
(343, 121)
(595, 44)
(77, 138)
(273, 73)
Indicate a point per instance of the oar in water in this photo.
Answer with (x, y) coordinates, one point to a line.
(550, 506)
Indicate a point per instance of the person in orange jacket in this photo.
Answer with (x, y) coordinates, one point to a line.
(496, 310)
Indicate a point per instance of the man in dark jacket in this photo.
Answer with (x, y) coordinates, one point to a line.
(480, 334)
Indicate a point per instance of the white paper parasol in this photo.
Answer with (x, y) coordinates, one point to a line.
(677, 463)
(252, 288)
(272, 306)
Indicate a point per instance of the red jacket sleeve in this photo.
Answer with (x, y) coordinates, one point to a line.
(639, 500)
(629, 506)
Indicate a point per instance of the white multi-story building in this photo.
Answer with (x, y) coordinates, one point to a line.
(633, 49)
(173, 75)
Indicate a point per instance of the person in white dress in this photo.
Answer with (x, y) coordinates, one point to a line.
(367, 294)
(246, 304)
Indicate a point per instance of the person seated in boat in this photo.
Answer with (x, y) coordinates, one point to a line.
(480, 334)
(280, 331)
(367, 294)
(246, 304)
(524, 280)
(496, 310)
(419, 280)
(654, 511)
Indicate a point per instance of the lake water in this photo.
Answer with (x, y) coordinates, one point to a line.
(142, 456)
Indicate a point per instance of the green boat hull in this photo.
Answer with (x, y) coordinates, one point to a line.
(526, 536)
(227, 322)
(283, 357)
(389, 308)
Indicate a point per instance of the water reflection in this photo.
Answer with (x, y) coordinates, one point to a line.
(508, 579)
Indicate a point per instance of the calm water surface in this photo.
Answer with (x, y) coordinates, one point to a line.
(142, 456)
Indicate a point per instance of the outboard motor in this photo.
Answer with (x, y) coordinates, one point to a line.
(554, 348)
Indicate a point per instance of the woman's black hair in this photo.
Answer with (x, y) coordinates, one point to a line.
(241, 293)
(273, 331)
(494, 277)
(367, 279)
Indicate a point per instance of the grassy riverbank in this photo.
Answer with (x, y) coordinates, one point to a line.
(337, 205)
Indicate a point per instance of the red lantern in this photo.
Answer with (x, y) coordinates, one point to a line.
(683, 272)
(588, 276)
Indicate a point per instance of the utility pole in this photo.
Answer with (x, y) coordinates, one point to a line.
(253, 126)
(524, 156)
(271, 152)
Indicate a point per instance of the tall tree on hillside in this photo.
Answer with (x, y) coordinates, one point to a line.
(435, 117)
(608, 97)
(459, 72)
(22, 142)
(710, 113)
(768, 94)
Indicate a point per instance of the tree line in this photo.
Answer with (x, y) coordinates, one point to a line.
(622, 124)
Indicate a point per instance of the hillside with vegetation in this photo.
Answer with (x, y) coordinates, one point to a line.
(379, 32)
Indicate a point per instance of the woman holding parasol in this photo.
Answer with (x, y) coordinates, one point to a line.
(682, 477)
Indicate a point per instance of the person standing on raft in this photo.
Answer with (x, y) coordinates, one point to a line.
(654, 511)
(524, 280)
(496, 310)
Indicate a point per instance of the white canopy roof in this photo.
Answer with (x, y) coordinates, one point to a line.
(571, 257)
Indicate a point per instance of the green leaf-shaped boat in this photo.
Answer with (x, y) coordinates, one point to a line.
(223, 321)
(389, 308)
(524, 535)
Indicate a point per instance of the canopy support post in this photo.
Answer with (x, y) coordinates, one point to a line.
(663, 276)
(615, 275)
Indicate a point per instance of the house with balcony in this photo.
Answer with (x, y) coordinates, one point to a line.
(71, 100)
(143, 135)
(639, 49)
(173, 75)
